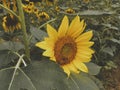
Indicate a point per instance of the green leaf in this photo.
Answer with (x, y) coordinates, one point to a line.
(93, 69)
(45, 75)
(115, 40)
(110, 26)
(96, 12)
(20, 81)
(82, 82)
(38, 34)
(97, 82)
(6, 57)
(9, 45)
(108, 50)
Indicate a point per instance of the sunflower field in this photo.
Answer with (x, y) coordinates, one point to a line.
(59, 44)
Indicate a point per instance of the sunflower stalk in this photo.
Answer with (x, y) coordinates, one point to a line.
(23, 27)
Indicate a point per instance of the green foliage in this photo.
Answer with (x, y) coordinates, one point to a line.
(38, 34)
(45, 75)
(6, 57)
(13, 46)
(93, 68)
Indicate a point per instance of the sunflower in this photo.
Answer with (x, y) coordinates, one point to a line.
(10, 23)
(14, 6)
(31, 4)
(86, 1)
(69, 47)
(29, 9)
(36, 11)
(10, 4)
(51, 2)
(57, 8)
(44, 16)
(69, 10)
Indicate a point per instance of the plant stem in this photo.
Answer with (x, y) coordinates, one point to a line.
(14, 73)
(23, 27)
(46, 23)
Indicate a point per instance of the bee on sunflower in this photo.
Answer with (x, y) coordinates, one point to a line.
(10, 22)
(69, 46)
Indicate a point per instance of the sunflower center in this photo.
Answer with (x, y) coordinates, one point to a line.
(65, 50)
(11, 21)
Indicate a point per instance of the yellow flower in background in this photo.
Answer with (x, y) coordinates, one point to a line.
(70, 10)
(10, 23)
(51, 2)
(57, 8)
(36, 11)
(14, 6)
(43, 16)
(86, 1)
(29, 9)
(31, 4)
(10, 4)
(69, 47)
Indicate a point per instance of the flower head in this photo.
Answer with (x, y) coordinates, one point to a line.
(8, 4)
(31, 4)
(43, 16)
(69, 47)
(86, 1)
(57, 8)
(51, 2)
(36, 11)
(10, 23)
(69, 10)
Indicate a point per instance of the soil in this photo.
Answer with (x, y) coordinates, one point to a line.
(111, 78)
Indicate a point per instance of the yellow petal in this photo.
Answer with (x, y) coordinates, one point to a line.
(85, 49)
(51, 31)
(53, 58)
(79, 30)
(66, 70)
(48, 53)
(84, 44)
(47, 44)
(81, 66)
(84, 53)
(83, 28)
(72, 68)
(76, 27)
(50, 42)
(83, 58)
(42, 45)
(85, 36)
(63, 27)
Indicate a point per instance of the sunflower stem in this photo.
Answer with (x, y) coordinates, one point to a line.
(23, 27)
(47, 23)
